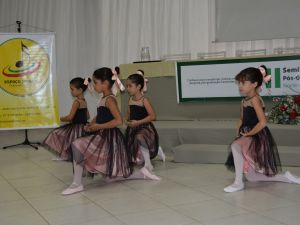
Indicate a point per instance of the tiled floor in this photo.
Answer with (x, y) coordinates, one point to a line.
(189, 194)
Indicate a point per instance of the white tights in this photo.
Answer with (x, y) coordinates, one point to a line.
(238, 163)
(77, 177)
(252, 175)
(146, 156)
(78, 171)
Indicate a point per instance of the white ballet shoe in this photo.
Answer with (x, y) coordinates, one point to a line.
(294, 179)
(148, 175)
(234, 188)
(161, 154)
(58, 159)
(72, 189)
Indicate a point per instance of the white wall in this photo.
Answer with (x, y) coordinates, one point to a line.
(257, 19)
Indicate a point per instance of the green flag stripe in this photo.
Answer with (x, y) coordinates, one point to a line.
(277, 78)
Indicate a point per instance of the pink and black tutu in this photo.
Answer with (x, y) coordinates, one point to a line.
(260, 150)
(103, 151)
(144, 135)
(60, 139)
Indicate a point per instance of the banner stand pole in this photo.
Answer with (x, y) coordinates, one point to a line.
(26, 141)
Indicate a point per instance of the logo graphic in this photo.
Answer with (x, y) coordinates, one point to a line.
(24, 66)
(277, 78)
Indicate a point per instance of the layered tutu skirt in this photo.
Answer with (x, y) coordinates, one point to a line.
(60, 139)
(144, 135)
(103, 152)
(259, 152)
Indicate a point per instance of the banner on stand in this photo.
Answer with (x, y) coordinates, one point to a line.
(28, 91)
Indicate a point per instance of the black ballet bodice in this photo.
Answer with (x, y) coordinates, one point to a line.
(80, 116)
(103, 115)
(249, 116)
(137, 112)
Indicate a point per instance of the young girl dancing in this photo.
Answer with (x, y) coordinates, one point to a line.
(141, 135)
(60, 139)
(254, 151)
(160, 152)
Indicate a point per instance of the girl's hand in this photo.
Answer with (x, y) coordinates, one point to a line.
(86, 128)
(245, 134)
(93, 127)
(62, 121)
(125, 121)
(132, 123)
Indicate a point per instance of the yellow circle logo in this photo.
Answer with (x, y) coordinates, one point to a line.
(24, 66)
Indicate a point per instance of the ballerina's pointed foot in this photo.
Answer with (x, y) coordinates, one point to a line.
(161, 154)
(294, 179)
(59, 159)
(163, 157)
(234, 188)
(72, 189)
(148, 175)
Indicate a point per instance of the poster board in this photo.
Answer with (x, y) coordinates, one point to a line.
(215, 78)
(28, 91)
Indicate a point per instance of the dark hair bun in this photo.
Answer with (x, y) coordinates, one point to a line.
(140, 71)
(137, 79)
(117, 69)
(104, 74)
(250, 74)
(78, 82)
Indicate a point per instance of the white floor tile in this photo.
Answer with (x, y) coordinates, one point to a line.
(103, 221)
(209, 210)
(75, 213)
(17, 208)
(257, 200)
(158, 217)
(244, 219)
(130, 204)
(188, 194)
(41, 190)
(9, 195)
(182, 196)
(57, 200)
(27, 219)
(287, 215)
(35, 181)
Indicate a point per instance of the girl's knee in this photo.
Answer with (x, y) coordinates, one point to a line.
(235, 146)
